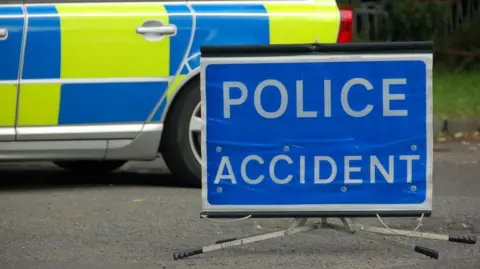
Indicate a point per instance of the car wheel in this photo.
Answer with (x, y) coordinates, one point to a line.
(90, 167)
(180, 145)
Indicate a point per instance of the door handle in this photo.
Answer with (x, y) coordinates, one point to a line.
(3, 33)
(157, 30)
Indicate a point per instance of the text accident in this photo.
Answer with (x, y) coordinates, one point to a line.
(296, 98)
(318, 131)
(323, 130)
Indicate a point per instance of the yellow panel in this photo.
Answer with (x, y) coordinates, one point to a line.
(39, 104)
(99, 41)
(303, 22)
(173, 86)
(8, 104)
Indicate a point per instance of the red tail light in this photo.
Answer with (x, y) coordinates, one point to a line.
(345, 33)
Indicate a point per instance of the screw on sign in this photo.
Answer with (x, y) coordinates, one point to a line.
(225, 170)
(294, 130)
(323, 131)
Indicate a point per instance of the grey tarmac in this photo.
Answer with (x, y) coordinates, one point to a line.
(138, 217)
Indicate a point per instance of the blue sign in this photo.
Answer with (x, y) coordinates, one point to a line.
(317, 133)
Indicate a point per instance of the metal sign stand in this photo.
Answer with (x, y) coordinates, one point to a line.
(350, 225)
(234, 195)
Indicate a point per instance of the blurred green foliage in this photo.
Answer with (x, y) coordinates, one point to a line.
(413, 20)
(456, 89)
(456, 81)
(456, 95)
(467, 37)
(422, 20)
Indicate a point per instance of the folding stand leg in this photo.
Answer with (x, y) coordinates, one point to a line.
(395, 232)
(432, 236)
(297, 226)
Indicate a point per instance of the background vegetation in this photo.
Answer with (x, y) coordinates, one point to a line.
(456, 79)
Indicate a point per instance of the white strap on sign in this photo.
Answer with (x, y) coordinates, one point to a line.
(318, 131)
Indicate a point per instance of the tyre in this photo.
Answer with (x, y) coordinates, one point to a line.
(90, 167)
(180, 144)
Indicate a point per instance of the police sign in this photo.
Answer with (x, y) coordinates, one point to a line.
(317, 132)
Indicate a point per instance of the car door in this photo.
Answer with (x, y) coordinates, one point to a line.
(230, 22)
(98, 70)
(11, 36)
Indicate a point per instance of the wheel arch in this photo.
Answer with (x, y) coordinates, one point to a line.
(176, 94)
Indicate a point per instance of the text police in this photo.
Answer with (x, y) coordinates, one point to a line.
(327, 91)
(350, 164)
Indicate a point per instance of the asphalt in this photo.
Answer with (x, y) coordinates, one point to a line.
(138, 217)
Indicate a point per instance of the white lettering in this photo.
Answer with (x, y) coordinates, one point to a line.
(375, 164)
(316, 170)
(301, 95)
(409, 159)
(227, 101)
(272, 169)
(346, 106)
(300, 112)
(388, 97)
(327, 98)
(225, 162)
(302, 169)
(258, 101)
(243, 169)
(348, 169)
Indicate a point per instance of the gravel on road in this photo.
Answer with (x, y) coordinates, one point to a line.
(138, 217)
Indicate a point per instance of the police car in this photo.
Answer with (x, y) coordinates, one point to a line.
(93, 84)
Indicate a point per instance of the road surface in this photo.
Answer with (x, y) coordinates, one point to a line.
(138, 217)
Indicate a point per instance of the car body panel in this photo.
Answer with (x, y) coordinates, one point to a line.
(276, 22)
(221, 24)
(87, 65)
(87, 75)
(11, 20)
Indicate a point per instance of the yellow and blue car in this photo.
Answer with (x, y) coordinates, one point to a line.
(92, 84)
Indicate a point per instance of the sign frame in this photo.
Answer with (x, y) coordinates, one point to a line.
(330, 52)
